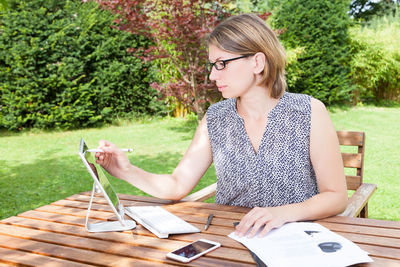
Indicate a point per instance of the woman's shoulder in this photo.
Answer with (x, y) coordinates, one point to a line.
(221, 108)
(298, 102)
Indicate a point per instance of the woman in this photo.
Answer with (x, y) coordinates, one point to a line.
(273, 151)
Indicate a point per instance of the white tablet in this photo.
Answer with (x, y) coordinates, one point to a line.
(102, 183)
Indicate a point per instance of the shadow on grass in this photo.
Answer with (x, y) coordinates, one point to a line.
(7, 133)
(28, 186)
(378, 104)
(187, 126)
(385, 103)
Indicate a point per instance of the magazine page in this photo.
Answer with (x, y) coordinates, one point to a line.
(304, 244)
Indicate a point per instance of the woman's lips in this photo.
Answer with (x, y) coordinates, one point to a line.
(221, 87)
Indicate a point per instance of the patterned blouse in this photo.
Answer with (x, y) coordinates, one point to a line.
(280, 172)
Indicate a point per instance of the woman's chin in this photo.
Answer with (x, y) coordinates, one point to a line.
(226, 94)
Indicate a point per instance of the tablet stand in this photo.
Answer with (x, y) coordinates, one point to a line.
(120, 225)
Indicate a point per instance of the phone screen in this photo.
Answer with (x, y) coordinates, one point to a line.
(193, 249)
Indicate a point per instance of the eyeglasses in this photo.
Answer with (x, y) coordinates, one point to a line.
(221, 64)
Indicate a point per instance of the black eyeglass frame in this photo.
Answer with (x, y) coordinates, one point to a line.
(210, 65)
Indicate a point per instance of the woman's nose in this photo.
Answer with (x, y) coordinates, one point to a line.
(213, 74)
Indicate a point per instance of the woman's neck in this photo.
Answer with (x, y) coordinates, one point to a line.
(256, 104)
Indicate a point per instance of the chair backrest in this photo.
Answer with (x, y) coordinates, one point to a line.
(353, 160)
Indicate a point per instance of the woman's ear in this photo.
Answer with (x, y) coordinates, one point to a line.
(259, 63)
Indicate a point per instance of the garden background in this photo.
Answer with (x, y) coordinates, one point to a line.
(133, 72)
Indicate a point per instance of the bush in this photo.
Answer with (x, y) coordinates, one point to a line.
(63, 65)
(318, 28)
(376, 62)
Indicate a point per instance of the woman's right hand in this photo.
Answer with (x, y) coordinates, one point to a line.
(113, 160)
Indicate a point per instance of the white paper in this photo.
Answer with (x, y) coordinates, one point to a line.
(299, 244)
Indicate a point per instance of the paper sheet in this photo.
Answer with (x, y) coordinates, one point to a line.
(304, 244)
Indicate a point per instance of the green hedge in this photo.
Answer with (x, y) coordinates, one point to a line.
(62, 65)
(376, 61)
(318, 29)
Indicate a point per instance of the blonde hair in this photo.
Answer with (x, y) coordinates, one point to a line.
(247, 34)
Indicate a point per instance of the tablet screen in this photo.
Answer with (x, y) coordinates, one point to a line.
(96, 168)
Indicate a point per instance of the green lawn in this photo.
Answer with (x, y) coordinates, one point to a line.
(37, 168)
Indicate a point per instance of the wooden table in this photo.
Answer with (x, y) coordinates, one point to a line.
(54, 235)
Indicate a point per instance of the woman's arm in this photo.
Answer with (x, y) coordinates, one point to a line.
(177, 185)
(328, 166)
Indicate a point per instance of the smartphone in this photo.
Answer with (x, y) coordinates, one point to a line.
(193, 250)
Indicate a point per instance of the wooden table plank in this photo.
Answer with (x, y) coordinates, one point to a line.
(383, 252)
(68, 253)
(17, 257)
(381, 262)
(372, 240)
(361, 229)
(53, 217)
(363, 221)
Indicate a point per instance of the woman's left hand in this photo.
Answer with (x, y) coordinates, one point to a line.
(258, 218)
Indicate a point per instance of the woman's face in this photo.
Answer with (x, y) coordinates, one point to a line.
(236, 78)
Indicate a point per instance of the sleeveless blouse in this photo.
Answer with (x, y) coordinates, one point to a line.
(280, 172)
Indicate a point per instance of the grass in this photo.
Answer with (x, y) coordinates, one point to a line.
(37, 168)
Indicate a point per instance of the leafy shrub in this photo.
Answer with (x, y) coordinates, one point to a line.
(63, 65)
(319, 29)
(376, 62)
(3, 4)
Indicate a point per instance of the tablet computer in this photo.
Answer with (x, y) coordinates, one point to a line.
(102, 184)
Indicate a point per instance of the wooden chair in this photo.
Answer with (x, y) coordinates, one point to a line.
(358, 202)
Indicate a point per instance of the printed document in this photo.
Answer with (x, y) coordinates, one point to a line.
(304, 244)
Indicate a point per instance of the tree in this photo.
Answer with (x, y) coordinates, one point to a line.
(365, 10)
(177, 29)
(319, 29)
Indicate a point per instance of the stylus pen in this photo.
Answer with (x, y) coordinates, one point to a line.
(208, 221)
(101, 151)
